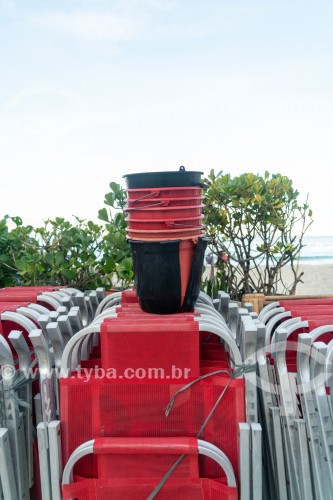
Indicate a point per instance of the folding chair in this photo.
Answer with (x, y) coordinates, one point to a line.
(157, 455)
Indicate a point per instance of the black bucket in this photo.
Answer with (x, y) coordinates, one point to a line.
(157, 275)
(193, 287)
(180, 178)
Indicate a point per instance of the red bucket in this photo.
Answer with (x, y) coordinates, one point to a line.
(186, 252)
(165, 202)
(162, 213)
(164, 224)
(168, 192)
(168, 234)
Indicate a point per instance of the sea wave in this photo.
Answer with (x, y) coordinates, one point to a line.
(317, 250)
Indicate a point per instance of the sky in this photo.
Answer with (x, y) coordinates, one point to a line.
(91, 90)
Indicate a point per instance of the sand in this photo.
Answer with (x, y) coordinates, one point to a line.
(317, 279)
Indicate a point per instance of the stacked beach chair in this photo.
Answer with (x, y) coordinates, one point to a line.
(35, 324)
(150, 392)
(126, 413)
(89, 382)
(158, 391)
(102, 400)
(181, 421)
(296, 380)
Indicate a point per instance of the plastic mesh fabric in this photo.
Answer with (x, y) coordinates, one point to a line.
(212, 354)
(82, 490)
(129, 297)
(19, 295)
(206, 338)
(291, 348)
(310, 310)
(214, 351)
(126, 309)
(211, 363)
(35, 491)
(136, 408)
(322, 321)
(7, 326)
(160, 344)
(199, 489)
(11, 306)
(291, 351)
(32, 288)
(76, 420)
(146, 466)
(306, 302)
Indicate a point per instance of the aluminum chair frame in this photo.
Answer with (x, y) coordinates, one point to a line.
(55, 455)
(204, 448)
(7, 475)
(318, 369)
(66, 364)
(205, 298)
(46, 373)
(319, 467)
(233, 319)
(38, 308)
(241, 311)
(304, 468)
(244, 461)
(289, 412)
(268, 308)
(14, 420)
(273, 323)
(29, 313)
(65, 327)
(256, 461)
(24, 356)
(44, 461)
(248, 352)
(114, 297)
(278, 452)
(74, 316)
(49, 299)
(270, 314)
(82, 304)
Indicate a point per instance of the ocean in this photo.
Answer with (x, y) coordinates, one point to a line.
(317, 250)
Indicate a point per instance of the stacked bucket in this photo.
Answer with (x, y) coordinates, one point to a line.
(167, 238)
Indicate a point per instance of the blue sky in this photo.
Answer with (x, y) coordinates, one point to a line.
(93, 90)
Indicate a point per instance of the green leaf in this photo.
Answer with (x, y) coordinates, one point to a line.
(103, 215)
(109, 199)
(49, 258)
(68, 273)
(17, 220)
(22, 265)
(59, 257)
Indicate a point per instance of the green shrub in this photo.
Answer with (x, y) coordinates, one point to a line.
(260, 223)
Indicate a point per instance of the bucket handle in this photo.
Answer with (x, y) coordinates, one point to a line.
(182, 225)
(159, 203)
(153, 193)
(178, 224)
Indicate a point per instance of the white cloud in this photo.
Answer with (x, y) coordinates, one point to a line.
(87, 25)
(148, 18)
(51, 90)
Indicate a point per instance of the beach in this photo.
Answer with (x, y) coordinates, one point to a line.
(317, 278)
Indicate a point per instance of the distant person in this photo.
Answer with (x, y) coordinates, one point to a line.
(210, 259)
(223, 257)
